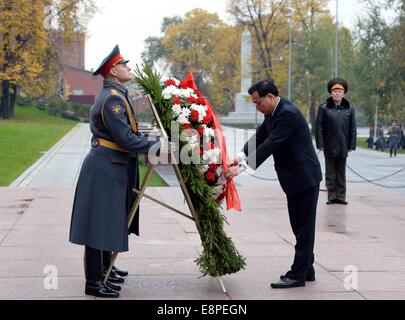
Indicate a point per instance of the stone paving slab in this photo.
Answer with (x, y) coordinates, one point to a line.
(378, 281)
(161, 261)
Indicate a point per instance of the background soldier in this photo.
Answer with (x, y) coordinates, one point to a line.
(394, 134)
(109, 173)
(336, 135)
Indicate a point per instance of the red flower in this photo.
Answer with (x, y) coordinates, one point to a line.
(195, 116)
(186, 126)
(183, 85)
(201, 101)
(214, 167)
(201, 131)
(176, 101)
(210, 176)
(207, 119)
(191, 100)
(170, 82)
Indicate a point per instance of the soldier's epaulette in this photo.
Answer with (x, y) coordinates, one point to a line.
(115, 92)
(131, 118)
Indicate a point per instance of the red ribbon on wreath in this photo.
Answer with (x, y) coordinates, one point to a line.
(231, 193)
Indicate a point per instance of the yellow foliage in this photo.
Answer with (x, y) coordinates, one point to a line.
(28, 46)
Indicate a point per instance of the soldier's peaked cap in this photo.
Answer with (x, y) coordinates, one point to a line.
(110, 61)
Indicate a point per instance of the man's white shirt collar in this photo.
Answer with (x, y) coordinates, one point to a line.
(243, 156)
(279, 99)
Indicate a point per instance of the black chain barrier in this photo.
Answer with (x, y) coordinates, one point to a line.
(364, 179)
(375, 183)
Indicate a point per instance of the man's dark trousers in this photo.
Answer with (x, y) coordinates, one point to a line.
(336, 178)
(302, 212)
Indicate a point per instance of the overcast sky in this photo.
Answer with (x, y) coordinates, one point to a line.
(128, 23)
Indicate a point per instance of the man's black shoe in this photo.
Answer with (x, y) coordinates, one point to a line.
(339, 201)
(121, 273)
(309, 278)
(114, 278)
(113, 287)
(331, 201)
(287, 283)
(98, 289)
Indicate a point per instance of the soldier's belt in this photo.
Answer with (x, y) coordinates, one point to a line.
(110, 145)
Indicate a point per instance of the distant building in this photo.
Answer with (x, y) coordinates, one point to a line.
(79, 85)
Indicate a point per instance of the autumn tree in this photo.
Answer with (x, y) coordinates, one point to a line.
(28, 46)
(264, 19)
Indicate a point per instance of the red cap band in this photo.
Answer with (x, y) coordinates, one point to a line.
(106, 69)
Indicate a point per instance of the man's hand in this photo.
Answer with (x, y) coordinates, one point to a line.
(219, 187)
(233, 172)
(233, 161)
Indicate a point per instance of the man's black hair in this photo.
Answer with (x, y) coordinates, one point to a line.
(263, 88)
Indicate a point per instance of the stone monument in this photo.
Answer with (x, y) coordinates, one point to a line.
(245, 111)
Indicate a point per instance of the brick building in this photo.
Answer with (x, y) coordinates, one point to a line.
(79, 85)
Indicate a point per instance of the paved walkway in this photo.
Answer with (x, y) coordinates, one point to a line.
(60, 166)
(366, 239)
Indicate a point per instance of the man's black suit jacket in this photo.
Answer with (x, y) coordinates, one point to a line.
(286, 136)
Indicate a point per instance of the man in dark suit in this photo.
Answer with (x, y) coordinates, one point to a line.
(109, 173)
(285, 135)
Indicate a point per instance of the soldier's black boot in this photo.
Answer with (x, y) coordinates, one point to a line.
(98, 289)
(122, 273)
(94, 274)
(113, 286)
(114, 277)
(107, 261)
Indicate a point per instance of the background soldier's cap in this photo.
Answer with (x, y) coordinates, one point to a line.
(110, 61)
(338, 83)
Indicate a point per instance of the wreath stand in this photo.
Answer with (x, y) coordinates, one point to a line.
(141, 195)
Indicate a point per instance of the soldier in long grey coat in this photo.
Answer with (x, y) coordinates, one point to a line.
(109, 173)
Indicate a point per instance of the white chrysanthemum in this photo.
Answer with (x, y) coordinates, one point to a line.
(191, 140)
(209, 133)
(176, 108)
(185, 93)
(213, 156)
(202, 111)
(169, 92)
(183, 116)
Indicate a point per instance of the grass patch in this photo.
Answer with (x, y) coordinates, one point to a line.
(362, 143)
(155, 180)
(25, 138)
